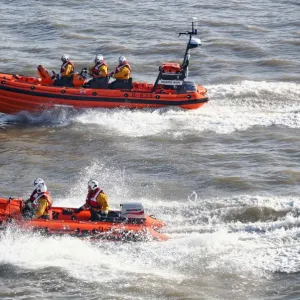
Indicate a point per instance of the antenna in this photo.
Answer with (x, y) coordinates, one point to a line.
(194, 29)
(194, 23)
(173, 74)
(192, 43)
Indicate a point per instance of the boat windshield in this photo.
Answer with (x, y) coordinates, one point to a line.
(189, 86)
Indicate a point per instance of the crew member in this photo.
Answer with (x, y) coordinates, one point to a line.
(33, 196)
(99, 69)
(38, 206)
(121, 74)
(99, 73)
(96, 200)
(66, 72)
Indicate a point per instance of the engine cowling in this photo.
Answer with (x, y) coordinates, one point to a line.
(133, 210)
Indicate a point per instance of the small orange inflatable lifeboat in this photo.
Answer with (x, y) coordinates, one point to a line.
(130, 223)
(171, 88)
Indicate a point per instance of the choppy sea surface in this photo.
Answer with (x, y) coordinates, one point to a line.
(225, 178)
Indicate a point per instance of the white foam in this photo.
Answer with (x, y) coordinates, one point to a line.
(98, 261)
(232, 107)
(200, 240)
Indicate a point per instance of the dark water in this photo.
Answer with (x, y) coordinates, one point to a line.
(225, 177)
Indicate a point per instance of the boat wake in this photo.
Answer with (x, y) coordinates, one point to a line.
(51, 117)
(232, 107)
(246, 234)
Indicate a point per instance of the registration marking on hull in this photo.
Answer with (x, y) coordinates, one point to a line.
(63, 105)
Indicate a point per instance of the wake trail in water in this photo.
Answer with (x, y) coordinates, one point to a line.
(232, 107)
(209, 237)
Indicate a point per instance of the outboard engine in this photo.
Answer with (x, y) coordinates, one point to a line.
(134, 212)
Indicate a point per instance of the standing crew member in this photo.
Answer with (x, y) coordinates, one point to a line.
(96, 200)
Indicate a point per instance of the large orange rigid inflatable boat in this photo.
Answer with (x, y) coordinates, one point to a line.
(129, 224)
(171, 88)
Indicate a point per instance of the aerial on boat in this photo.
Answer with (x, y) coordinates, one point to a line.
(128, 224)
(171, 88)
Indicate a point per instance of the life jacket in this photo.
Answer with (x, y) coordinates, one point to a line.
(91, 198)
(64, 65)
(33, 196)
(35, 203)
(96, 68)
(121, 66)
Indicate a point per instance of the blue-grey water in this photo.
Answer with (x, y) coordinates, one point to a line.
(225, 177)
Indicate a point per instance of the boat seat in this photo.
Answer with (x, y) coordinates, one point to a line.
(121, 84)
(98, 83)
(113, 214)
(66, 82)
(67, 211)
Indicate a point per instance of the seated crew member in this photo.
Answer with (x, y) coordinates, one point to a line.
(34, 194)
(99, 73)
(66, 72)
(40, 207)
(96, 200)
(121, 74)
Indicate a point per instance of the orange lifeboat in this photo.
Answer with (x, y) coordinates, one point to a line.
(171, 88)
(129, 223)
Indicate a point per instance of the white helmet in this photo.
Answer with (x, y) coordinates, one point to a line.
(98, 58)
(65, 58)
(37, 181)
(93, 184)
(122, 59)
(41, 188)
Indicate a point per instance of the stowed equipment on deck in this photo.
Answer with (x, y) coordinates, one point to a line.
(173, 75)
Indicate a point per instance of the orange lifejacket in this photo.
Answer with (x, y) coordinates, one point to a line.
(91, 199)
(64, 65)
(121, 66)
(96, 68)
(47, 196)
